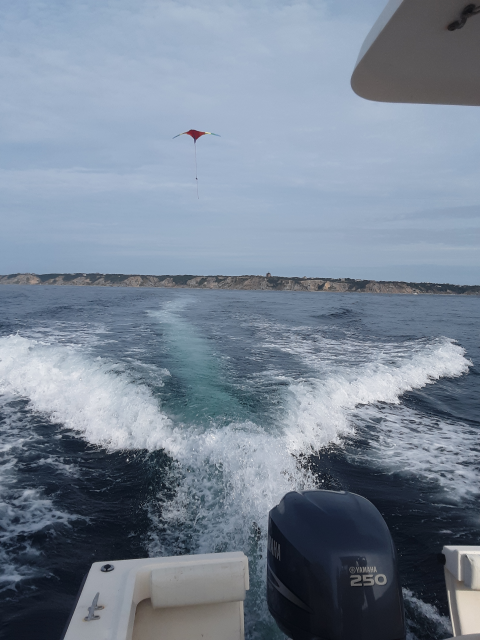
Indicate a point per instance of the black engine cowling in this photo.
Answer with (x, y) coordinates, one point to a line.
(332, 569)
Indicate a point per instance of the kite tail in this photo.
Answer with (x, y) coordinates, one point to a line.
(196, 177)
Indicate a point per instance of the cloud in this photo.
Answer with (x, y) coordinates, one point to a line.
(92, 94)
(471, 212)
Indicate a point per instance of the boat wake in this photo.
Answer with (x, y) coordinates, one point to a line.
(226, 472)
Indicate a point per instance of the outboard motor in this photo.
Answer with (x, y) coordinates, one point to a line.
(332, 569)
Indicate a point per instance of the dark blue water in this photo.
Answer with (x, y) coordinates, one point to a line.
(153, 422)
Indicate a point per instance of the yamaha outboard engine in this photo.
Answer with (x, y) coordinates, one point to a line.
(332, 569)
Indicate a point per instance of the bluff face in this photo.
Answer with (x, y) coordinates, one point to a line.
(250, 283)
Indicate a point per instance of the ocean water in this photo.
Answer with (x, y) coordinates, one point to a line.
(161, 422)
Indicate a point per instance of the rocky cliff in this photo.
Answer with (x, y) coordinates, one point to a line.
(262, 283)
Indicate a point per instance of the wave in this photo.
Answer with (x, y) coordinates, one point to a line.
(224, 477)
(91, 396)
(24, 511)
(437, 450)
(356, 389)
(99, 400)
(320, 410)
(424, 619)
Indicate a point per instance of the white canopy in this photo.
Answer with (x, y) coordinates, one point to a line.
(410, 55)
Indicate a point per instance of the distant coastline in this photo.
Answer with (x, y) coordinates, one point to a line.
(244, 283)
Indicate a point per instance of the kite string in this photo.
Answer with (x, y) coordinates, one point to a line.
(196, 177)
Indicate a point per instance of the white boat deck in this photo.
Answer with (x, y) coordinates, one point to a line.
(182, 597)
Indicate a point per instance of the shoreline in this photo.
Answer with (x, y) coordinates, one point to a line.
(239, 283)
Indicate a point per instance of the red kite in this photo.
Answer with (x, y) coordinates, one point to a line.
(196, 135)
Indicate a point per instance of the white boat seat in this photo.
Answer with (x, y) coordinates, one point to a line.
(462, 579)
(174, 598)
(471, 571)
(191, 582)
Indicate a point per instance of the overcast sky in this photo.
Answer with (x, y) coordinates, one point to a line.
(306, 178)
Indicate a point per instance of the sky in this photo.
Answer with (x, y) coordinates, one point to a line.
(307, 179)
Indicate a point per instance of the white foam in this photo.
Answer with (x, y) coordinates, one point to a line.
(90, 396)
(226, 481)
(357, 387)
(23, 514)
(424, 619)
(58, 463)
(100, 401)
(321, 409)
(28, 513)
(347, 373)
(224, 478)
(441, 451)
(23, 511)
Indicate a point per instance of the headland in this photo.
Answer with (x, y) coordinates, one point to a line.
(244, 283)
